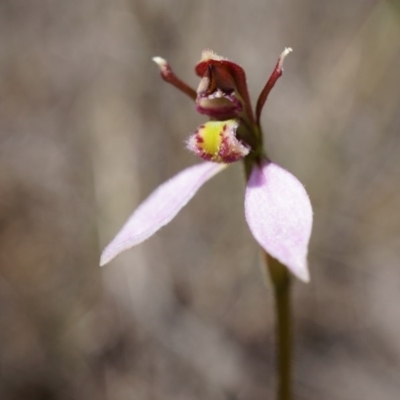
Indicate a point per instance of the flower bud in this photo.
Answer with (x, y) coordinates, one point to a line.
(216, 141)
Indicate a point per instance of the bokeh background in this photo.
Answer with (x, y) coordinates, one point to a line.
(88, 129)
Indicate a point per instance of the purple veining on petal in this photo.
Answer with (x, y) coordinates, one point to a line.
(160, 208)
(279, 215)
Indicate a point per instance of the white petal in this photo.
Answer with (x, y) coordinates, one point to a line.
(160, 208)
(279, 215)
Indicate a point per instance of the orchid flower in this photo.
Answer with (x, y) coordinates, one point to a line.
(277, 208)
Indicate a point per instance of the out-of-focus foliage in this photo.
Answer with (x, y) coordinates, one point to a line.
(88, 129)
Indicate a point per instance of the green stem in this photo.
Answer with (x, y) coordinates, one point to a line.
(280, 278)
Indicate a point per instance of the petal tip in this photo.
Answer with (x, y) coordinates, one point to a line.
(161, 62)
(106, 257)
(208, 54)
(302, 273)
(285, 52)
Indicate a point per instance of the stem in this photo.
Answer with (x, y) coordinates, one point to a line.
(281, 282)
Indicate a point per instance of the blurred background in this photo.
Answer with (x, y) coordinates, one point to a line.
(88, 129)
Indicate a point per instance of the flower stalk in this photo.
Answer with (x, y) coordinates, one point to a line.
(281, 282)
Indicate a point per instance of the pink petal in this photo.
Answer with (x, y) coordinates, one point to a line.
(160, 208)
(279, 215)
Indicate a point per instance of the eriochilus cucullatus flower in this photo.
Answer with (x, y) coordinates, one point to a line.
(277, 208)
